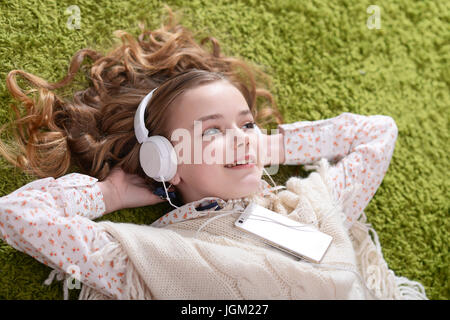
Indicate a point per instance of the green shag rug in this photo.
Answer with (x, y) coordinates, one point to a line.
(324, 60)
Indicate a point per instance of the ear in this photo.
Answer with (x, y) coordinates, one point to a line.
(176, 179)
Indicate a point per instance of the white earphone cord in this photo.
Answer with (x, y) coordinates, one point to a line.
(167, 193)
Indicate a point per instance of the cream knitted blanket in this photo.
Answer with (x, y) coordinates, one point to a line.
(208, 258)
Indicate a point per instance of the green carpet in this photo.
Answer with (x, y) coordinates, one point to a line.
(323, 60)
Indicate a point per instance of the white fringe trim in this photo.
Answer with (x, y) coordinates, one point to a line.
(382, 282)
(60, 275)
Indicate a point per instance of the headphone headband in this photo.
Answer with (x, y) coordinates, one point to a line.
(140, 130)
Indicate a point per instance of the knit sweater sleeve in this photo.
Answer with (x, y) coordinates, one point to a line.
(50, 220)
(362, 147)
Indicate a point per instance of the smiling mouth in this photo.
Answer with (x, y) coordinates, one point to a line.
(248, 164)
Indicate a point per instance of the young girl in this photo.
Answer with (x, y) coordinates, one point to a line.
(52, 219)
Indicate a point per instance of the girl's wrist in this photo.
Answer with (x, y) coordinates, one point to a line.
(109, 196)
(275, 149)
(280, 143)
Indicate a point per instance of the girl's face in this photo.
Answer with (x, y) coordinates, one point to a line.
(224, 134)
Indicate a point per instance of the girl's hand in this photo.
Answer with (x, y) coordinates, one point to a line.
(123, 190)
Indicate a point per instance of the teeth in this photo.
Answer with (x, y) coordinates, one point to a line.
(235, 164)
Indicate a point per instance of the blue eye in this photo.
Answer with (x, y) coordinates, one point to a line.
(204, 132)
(251, 124)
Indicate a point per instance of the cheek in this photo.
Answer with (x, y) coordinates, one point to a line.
(213, 152)
(211, 175)
(202, 174)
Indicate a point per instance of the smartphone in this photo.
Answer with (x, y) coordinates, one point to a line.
(301, 240)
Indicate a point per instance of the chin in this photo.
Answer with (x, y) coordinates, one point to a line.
(251, 190)
(249, 184)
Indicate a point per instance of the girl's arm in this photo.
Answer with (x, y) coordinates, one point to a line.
(361, 145)
(51, 221)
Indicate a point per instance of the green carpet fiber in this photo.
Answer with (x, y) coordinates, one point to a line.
(323, 59)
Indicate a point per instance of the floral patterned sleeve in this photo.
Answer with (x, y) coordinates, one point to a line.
(362, 147)
(50, 219)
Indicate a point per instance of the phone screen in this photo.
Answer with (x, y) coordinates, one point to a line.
(298, 239)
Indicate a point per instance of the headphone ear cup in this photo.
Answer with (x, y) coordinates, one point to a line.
(158, 158)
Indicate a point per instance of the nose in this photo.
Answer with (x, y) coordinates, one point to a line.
(240, 138)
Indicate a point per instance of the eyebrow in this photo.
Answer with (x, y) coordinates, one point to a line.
(219, 116)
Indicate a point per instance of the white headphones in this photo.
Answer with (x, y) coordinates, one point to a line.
(156, 154)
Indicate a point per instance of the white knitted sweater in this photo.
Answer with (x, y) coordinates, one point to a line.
(220, 262)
